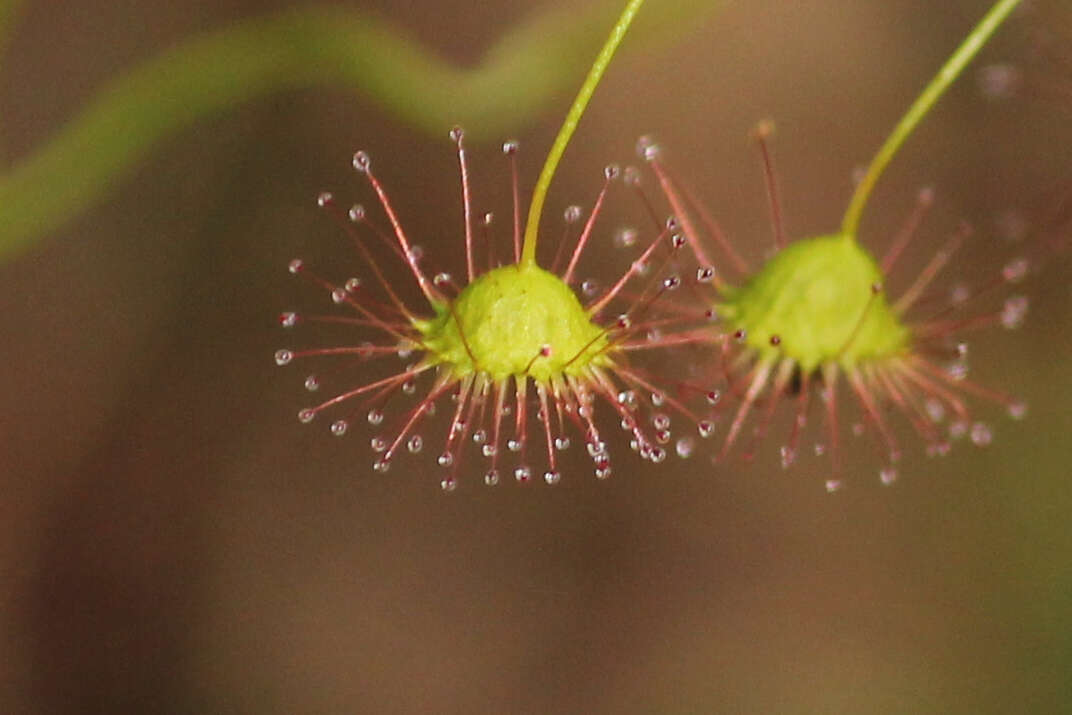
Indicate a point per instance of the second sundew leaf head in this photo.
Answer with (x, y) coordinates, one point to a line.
(816, 301)
(515, 320)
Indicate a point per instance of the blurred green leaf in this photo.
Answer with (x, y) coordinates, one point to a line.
(309, 46)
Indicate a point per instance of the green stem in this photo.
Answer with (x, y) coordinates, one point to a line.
(576, 110)
(952, 69)
(304, 47)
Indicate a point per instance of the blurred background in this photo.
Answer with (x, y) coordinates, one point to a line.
(173, 540)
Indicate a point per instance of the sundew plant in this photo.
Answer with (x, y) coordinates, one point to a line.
(817, 314)
(511, 343)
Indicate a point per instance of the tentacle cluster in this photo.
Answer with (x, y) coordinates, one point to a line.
(816, 314)
(513, 343)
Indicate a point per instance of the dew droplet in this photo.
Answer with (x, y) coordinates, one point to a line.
(935, 410)
(415, 444)
(552, 477)
(957, 370)
(671, 282)
(339, 427)
(361, 161)
(981, 435)
(375, 416)
(611, 172)
(1013, 312)
(625, 237)
(1015, 270)
(685, 447)
(283, 357)
(306, 415)
(998, 81)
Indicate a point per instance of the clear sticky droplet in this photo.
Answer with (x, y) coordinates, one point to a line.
(491, 477)
(552, 477)
(706, 428)
(361, 161)
(283, 357)
(981, 434)
(685, 447)
(445, 460)
(887, 475)
(339, 427)
(833, 485)
(375, 417)
(324, 199)
(415, 444)
(449, 484)
(625, 238)
(296, 265)
(288, 319)
(381, 466)
(378, 444)
(312, 383)
(306, 415)
(356, 213)
(523, 474)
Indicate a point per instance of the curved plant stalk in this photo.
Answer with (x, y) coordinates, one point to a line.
(952, 69)
(309, 46)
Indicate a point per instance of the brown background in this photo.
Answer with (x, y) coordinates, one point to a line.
(172, 540)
